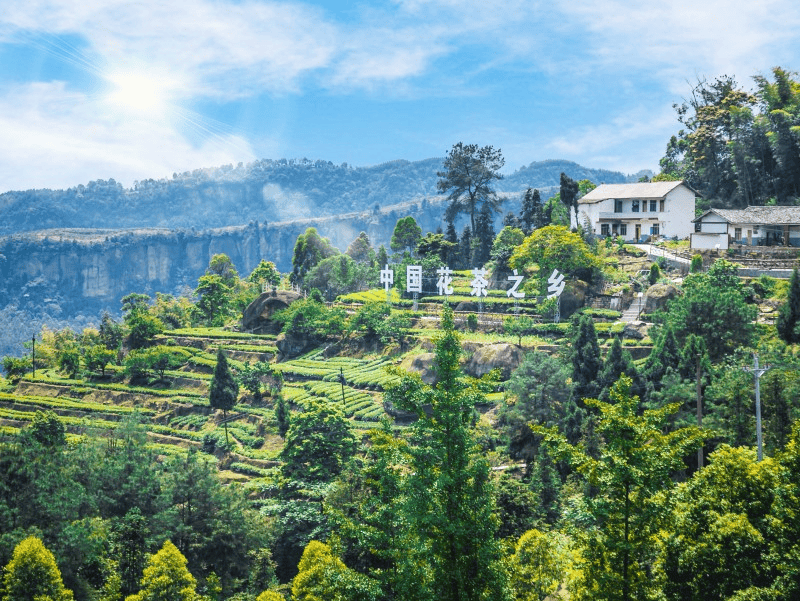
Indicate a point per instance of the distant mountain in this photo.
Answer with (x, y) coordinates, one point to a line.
(266, 191)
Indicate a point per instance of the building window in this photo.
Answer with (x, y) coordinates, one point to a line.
(698, 227)
(737, 234)
(635, 206)
(654, 229)
(661, 205)
(653, 206)
(615, 228)
(644, 206)
(604, 229)
(618, 206)
(623, 229)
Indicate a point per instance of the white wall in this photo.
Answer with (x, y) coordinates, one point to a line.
(708, 240)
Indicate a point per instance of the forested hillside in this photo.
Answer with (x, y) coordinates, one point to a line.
(243, 445)
(265, 191)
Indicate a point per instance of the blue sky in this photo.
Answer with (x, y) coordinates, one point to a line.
(95, 89)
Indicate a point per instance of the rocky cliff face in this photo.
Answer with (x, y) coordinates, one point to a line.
(82, 271)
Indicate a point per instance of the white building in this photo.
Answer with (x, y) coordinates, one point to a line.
(753, 226)
(636, 211)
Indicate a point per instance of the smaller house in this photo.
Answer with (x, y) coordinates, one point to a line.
(638, 211)
(753, 226)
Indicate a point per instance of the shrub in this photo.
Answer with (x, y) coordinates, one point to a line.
(697, 264)
(472, 322)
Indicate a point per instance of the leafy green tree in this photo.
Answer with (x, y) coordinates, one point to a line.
(789, 313)
(783, 514)
(318, 444)
(713, 306)
(360, 249)
(618, 525)
(406, 235)
(129, 544)
(539, 565)
(717, 541)
(504, 245)
(435, 245)
(69, 361)
(309, 249)
(142, 325)
(366, 506)
(450, 500)
(97, 357)
(265, 273)
(47, 429)
(518, 326)
(166, 578)
(270, 596)
(538, 392)
(322, 575)
(222, 266)
(368, 319)
(555, 247)
(213, 299)
(223, 390)
(468, 175)
(16, 367)
(32, 574)
(111, 332)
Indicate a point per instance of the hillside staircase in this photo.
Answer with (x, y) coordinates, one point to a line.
(634, 310)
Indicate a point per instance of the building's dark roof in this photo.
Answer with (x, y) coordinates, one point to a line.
(758, 215)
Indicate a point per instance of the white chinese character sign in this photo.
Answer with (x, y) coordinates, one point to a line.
(479, 283)
(387, 279)
(554, 290)
(556, 281)
(414, 278)
(517, 279)
(445, 279)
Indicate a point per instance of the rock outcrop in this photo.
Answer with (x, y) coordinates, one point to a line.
(257, 317)
(657, 297)
(505, 357)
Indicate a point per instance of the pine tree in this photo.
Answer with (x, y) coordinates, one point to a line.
(450, 497)
(789, 314)
(224, 390)
(617, 363)
(465, 248)
(282, 416)
(665, 355)
(531, 216)
(32, 574)
(586, 360)
(485, 234)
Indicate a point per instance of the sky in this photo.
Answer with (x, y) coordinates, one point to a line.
(99, 89)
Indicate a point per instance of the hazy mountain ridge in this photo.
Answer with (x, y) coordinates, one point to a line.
(266, 191)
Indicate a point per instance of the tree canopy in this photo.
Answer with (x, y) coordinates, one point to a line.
(469, 171)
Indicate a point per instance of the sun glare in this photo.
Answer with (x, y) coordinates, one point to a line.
(139, 93)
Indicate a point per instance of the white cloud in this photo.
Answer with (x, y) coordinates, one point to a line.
(64, 138)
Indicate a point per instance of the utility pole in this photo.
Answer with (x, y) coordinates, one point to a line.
(341, 381)
(33, 354)
(757, 373)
